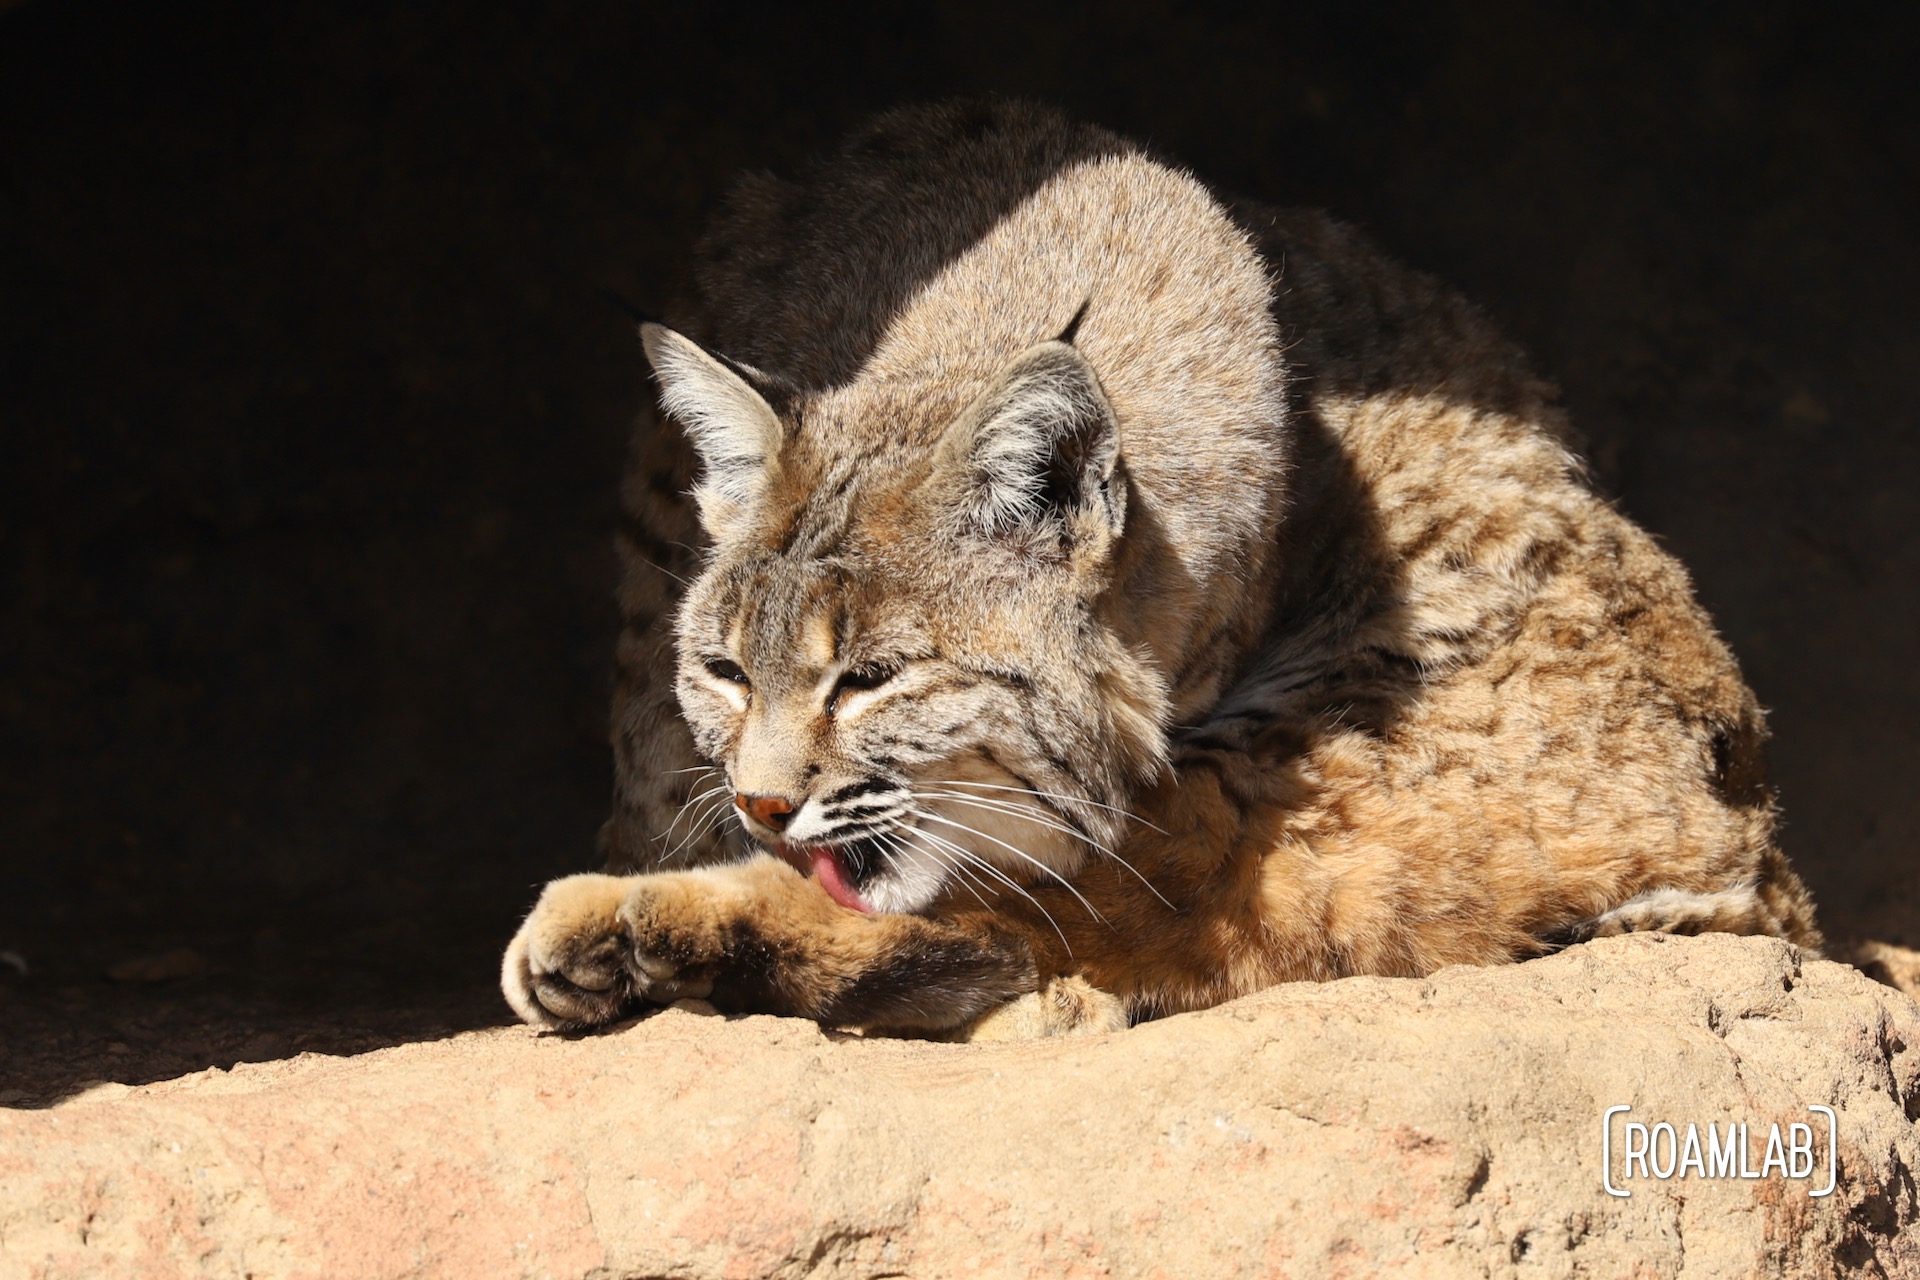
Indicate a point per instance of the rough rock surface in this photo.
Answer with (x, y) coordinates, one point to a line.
(1442, 1127)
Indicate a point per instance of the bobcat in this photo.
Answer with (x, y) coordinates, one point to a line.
(1114, 600)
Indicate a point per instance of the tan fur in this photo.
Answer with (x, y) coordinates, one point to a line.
(1064, 1007)
(1135, 591)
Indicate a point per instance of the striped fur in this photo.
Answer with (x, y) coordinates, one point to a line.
(1136, 595)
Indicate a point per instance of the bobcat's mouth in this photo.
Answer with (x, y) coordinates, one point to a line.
(838, 868)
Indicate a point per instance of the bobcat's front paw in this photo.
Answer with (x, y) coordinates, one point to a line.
(592, 949)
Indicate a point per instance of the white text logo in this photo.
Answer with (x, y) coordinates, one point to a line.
(1662, 1151)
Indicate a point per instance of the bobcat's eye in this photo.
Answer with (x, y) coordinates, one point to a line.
(855, 679)
(721, 669)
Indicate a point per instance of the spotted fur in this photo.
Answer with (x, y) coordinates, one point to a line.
(1135, 600)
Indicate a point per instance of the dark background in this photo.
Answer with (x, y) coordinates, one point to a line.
(311, 417)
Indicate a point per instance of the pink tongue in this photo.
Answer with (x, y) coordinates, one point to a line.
(826, 866)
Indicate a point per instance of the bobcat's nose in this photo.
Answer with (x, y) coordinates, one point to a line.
(771, 811)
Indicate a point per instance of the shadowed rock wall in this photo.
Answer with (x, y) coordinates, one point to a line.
(312, 416)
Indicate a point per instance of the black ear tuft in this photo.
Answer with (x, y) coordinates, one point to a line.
(1072, 331)
(625, 306)
(758, 379)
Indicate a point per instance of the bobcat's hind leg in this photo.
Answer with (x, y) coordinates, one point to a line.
(751, 937)
(1064, 1007)
(1745, 908)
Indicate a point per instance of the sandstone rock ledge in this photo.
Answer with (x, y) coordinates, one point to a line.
(1447, 1127)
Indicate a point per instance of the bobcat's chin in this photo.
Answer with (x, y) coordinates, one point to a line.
(905, 890)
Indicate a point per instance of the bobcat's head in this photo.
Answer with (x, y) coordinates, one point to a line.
(902, 648)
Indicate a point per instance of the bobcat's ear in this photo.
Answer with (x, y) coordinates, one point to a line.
(732, 426)
(1039, 453)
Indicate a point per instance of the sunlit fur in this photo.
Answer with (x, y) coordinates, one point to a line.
(1224, 604)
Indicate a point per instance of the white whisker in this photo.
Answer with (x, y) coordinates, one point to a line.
(689, 803)
(1049, 795)
(968, 855)
(937, 843)
(896, 845)
(1015, 811)
(705, 822)
(663, 569)
(1021, 811)
(681, 812)
(707, 817)
(1018, 853)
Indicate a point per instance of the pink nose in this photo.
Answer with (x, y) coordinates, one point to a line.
(769, 811)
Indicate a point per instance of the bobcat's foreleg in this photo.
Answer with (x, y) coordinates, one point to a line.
(752, 937)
